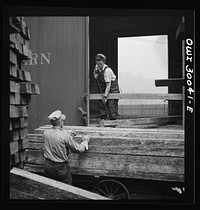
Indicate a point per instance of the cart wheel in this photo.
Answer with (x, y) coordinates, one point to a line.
(112, 189)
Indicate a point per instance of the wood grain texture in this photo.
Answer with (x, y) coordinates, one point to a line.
(26, 185)
(138, 96)
(128, 153)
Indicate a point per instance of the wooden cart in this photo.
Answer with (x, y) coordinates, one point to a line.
(147, 154)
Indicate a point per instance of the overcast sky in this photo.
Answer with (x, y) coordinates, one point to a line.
(142, 60)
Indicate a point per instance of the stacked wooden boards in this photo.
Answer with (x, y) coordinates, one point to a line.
(153, 154)
(21, 89)
(26, 185)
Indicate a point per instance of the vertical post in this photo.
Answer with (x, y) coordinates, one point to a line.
(87, 69)
(183, 76)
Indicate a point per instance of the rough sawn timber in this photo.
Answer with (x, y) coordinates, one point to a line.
(26, 185)
(155, 154)
(147, 122)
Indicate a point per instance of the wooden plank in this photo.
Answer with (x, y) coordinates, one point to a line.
(23, 133)
(170, 82)
(13, 58)
(12, 98)
(126, 166)
(39, 187)
(14, 112)
(14, 87)
(35, 89)
(14, 135)
(157, 96)
(23, 122)
(153, 121)
(101, 131)
(25, 88)
(23, 144)
(17, 98)
(34, 168)
(13, 71)
(16, 123)
(20, 76)
(117, 145)
(116, 135)
(26, 76)
(23, 112)
(13, 147)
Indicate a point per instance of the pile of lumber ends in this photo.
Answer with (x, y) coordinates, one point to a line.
(21, 89)
(153, 154)
(28, 186)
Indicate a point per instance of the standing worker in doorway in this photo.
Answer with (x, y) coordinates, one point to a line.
(107, 83)
(57, 143)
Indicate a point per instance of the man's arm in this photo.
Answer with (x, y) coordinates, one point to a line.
(76, 147)
(108, 85)
(95, 72)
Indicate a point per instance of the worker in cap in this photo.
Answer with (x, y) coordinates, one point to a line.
(107, 83)
(57, 143)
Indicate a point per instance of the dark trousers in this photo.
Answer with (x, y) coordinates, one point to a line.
(112, 109)
(58, 171)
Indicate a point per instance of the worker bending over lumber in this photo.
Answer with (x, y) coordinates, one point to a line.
(57, 143)
(107, 83)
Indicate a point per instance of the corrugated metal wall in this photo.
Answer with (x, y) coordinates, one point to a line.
(58, 65)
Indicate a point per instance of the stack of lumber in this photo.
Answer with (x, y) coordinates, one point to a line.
(153, 154)
(26, 185)
(21, 89)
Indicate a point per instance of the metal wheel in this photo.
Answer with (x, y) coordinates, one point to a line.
(112, 189)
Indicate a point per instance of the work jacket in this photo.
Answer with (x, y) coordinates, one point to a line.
(58, 142)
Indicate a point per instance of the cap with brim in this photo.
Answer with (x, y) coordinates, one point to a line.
(57, 115)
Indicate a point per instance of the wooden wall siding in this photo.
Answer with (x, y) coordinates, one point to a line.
(138, 153)
(21, 89)
(62, 80)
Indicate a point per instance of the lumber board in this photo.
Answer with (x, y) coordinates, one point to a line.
(14, 135)
(121, 145)
(14, 87)
(157, 96)
(25, 88)
(170, 82)
(23, 112)
(125, 166)
(121, 132)
(35, 89)
(23, 144)
(13, 58)
(13, 71)
(148, 122)
(26, 76)
(99, 129)
(13, 147)
(33, 186)
(23, 122)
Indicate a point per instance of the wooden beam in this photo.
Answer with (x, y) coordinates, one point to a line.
(157, 96)
(170, 82)
(141, 122)
(26, 185)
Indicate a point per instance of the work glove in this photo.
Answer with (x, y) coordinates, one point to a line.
(72, 133)
(85, 141)
(104, 99)
(86, 138)
(96, 76)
